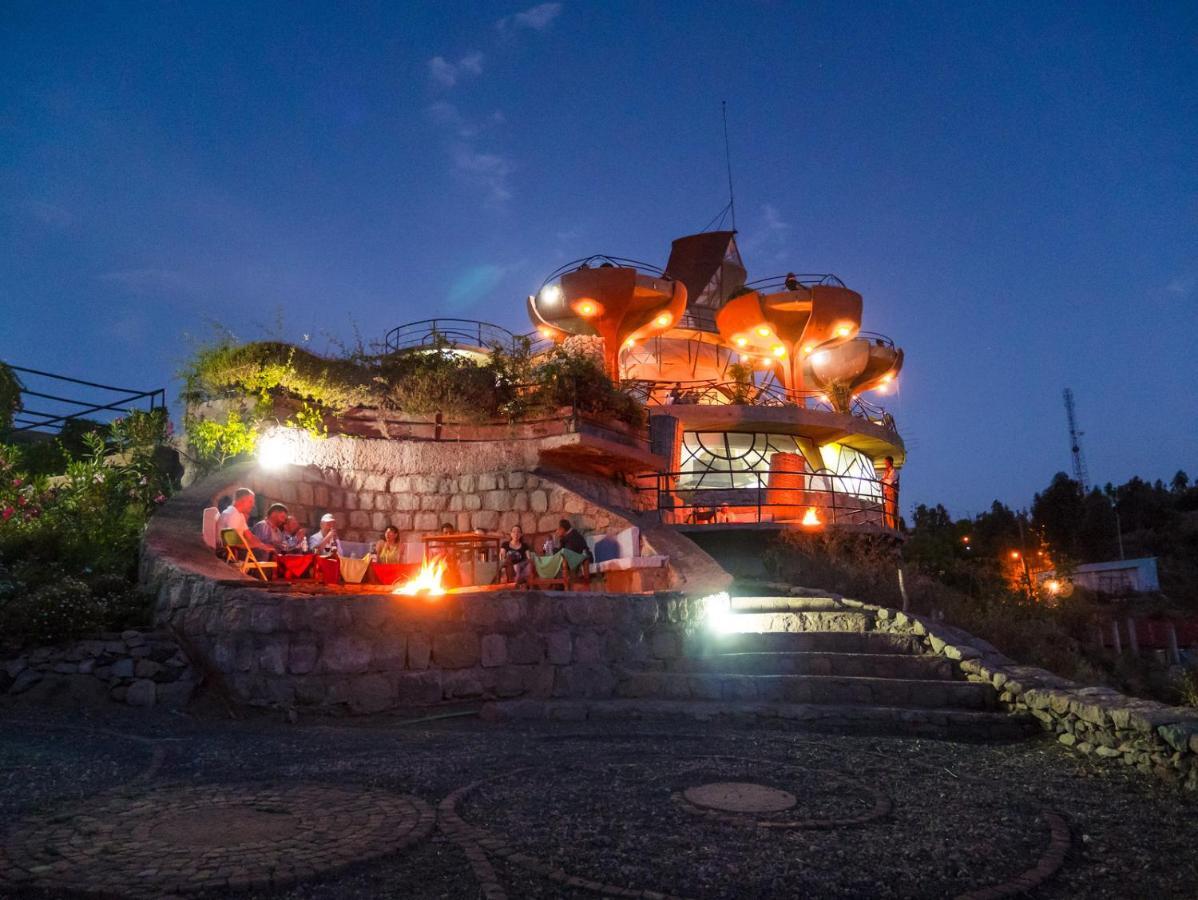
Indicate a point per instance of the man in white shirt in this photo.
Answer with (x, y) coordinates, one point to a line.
(234, 516)
(325, 543)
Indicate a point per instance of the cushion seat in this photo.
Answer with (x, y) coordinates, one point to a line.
(626, 564)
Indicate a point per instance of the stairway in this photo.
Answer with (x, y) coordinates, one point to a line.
(807, 660)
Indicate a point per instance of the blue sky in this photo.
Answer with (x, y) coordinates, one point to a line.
(1012, 187)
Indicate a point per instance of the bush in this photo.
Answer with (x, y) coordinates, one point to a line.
(69, 545)
(510, 384)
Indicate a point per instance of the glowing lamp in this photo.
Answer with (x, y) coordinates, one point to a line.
(587, 308)
(551, 293)
(808, 348)
(779, 350)
(763, 331)
(717, 613)
(740, 342)
(766, 362)
(1014, 554)
(843, 331)
(273, 452)
(663, 320)
(1052, 586)
(888, 377)
(545, 331)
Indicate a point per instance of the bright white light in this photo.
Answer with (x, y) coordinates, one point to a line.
(820, 358)
(551, 293)
(273, 452)
(718, 613)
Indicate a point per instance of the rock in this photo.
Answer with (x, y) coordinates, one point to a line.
(142, 692)
(146, 668)
(371, 694)
(15, 667)
(87, 666)
(559, 648)
(24, 681)
(418, 688)
(133, 638)
(420, 648)
(1067, 739)
(494, 650)
(345, 654)
(1179, 735)
(122, 668)
(458, 650)
(301, 658)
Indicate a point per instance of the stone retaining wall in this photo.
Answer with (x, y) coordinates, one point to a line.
(375, 652)
(133, 667)
(1095, 721)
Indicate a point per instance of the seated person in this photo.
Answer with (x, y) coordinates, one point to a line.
(449, 555)
(567, 537)
(513, 557)
(234, 516)
(326, 542)
(389, 550)
(269, 529)
(295, 539)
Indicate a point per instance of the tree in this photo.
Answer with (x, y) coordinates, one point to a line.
(1058, 513)
(1180, 482)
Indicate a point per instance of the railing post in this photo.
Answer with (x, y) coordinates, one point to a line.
(1132, 643)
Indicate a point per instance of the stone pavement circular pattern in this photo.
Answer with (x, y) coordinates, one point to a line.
(740, 797)
(178, 840)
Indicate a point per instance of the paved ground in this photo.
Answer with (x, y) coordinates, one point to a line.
(137, 803)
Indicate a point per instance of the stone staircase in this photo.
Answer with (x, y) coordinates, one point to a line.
(808, 660)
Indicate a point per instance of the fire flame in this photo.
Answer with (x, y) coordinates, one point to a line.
(427, 580)
(811, 518)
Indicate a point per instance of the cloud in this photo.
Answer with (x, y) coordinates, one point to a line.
(476, 282)
(446, 74)
(772, 220)
(491, 171)
(149, 282)
(1181, 285)
(537, 17)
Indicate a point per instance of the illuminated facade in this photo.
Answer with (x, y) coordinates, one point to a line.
(762, 394)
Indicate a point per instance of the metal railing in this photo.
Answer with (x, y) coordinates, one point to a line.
(455, 332)
(603, 261)
(774, 283)
(126, 400)
(713, 392)
(813, 500)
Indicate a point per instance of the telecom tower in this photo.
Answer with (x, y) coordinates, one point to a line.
(1080, 475)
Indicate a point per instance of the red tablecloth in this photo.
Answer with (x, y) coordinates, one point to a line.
(328, 570)
(294, 565)
(389, 573)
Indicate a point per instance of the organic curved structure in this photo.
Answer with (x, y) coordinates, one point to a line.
(609, 298)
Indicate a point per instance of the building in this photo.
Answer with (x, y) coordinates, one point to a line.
(757, 390)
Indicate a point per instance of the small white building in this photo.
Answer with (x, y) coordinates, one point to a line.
(1121, 576)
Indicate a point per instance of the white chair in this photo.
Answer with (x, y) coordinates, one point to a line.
(208, 528)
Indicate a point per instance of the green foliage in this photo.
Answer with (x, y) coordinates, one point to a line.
(509, 384)
(215, 443)
(10, 396)
(742, 380)
(69, 545)
(1187, 687)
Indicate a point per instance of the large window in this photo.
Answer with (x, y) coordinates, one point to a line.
(734, 459)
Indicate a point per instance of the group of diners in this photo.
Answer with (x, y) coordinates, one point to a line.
(279, 533)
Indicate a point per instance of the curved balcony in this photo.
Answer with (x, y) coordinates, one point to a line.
(468, 336)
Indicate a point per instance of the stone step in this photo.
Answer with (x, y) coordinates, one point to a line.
(954, 723)
(814, 641)
(862, 665)
(817, 620)
(818, 689)
(787, 604)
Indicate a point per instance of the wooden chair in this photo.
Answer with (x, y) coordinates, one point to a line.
(537, 582)
(233, 543)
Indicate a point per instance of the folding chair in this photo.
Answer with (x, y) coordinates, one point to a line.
(208, 528)
(234, 542)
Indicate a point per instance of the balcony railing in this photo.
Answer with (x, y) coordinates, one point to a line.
(713, 392)
(456, 332)
(809, 500)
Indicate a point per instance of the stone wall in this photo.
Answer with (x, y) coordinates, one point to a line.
(1094, 721)
(418, 486)
(133, 667)
(374, 652)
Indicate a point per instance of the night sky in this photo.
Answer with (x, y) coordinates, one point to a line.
(1012, 187)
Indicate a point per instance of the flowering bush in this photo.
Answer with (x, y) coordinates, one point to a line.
(69, 543)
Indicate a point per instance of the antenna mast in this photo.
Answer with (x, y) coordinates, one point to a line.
(1080, 475)
(728, 161)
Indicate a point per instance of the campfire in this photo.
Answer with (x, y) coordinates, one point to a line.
(811, 518)
(427, 581)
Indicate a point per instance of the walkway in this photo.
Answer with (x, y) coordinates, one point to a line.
(154, 804)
